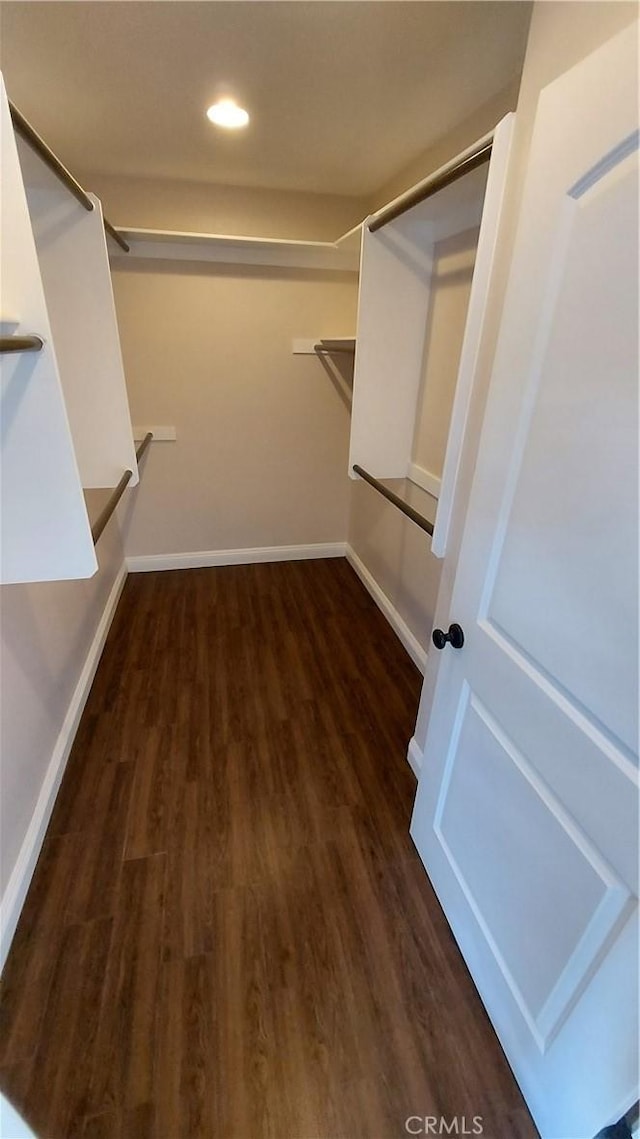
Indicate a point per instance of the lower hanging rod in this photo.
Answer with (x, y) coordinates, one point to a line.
(114, 499)
(414, 515)
(21, 344)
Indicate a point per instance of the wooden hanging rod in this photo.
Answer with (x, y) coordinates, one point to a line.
(469, 160)
(20, 344)
(23, 127)
(107, 511)
(143, 446)
(328, 350)
(114, 499)
(419, 519)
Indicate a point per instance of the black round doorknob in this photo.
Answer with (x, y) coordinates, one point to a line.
(454, 637)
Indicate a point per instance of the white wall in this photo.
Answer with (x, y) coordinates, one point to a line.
(451, 277)
(260, 458)
(47, 631)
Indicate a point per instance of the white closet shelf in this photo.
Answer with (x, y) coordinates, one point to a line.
(342, 255)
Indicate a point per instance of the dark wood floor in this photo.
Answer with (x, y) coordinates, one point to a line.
(229, 933)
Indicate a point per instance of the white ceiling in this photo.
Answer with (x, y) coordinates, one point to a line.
(341, 94)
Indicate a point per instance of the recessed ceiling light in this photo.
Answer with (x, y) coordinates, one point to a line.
(227, 113)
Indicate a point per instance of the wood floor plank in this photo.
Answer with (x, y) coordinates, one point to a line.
(187, 1085)
(63, 1061)
(28, 972)
(101, 835)
(122, 1074)
(229, 934)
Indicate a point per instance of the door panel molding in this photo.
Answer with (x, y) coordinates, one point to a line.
(607, 916)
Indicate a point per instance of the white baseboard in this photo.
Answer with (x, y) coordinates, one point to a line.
(18, 884)
(414, 757)
(146, 563)
(399, 626)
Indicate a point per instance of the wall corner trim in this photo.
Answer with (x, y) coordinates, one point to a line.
(398, 624)
(147, 563)
(18, 884)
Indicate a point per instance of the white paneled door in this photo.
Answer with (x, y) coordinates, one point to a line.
(526, 813)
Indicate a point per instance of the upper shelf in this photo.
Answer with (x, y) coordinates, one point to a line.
(342, 255)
